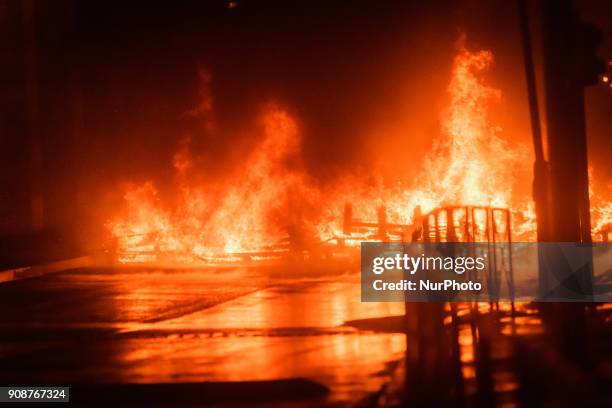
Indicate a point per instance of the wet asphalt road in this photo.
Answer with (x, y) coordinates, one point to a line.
(188, 326)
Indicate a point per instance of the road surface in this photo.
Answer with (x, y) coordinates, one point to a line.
(183, 327)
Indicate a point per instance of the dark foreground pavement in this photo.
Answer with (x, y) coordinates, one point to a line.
(195, 337)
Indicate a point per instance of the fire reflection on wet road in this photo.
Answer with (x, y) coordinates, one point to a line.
(152, 326)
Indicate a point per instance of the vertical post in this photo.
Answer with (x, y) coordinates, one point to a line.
(491, 264)
(468, 237)
(570, 219)
(426, 235)
(493, 254)
(382, 223)
(564, 72)
(540, 166)
(437, 226)
(451, 235)
(510, 268)
(347, 225)
(474, 226)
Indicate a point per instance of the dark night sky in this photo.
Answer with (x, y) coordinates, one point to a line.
(345, 69)
(336, 65)
(363, 79)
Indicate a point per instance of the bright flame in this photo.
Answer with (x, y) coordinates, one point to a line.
(270, 205)
(253, 210)
(471, 164)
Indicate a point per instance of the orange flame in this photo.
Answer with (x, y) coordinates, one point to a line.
(471, 164)
(267, 200)
(252, 210)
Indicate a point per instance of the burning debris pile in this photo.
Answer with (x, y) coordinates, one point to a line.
(271, 204)
(251, 213)
(471, 163)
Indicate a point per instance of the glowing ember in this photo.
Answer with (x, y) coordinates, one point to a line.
(601, 210)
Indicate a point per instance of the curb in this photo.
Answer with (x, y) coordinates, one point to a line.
(24, 272)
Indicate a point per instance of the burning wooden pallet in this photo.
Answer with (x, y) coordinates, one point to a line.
(487, 228)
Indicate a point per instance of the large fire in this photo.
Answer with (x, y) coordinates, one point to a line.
(471, 164)
(271, 202)
(251, 212)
